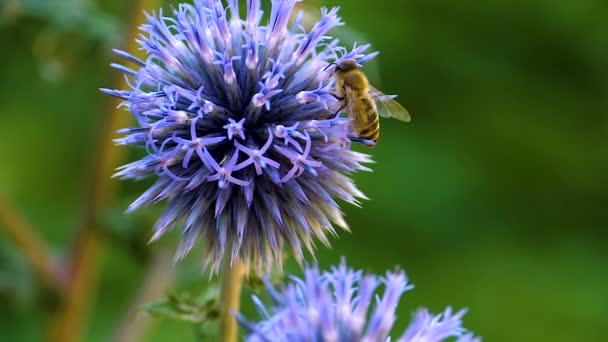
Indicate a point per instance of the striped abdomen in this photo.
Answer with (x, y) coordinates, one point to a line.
(371, 129)
(364, 117)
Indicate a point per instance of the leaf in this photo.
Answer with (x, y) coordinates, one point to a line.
(182, 306)
(207, 331)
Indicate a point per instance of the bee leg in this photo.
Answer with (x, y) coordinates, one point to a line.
(340, 110)
(362, 141)
(337, 97)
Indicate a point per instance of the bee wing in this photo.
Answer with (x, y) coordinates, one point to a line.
(350, 98)
(387, 106)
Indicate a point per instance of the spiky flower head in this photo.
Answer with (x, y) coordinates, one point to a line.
(241, 129)
(344, 305)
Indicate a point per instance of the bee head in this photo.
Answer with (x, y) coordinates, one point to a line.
(345, 66)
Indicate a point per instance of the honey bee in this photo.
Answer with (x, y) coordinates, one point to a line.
(364, 103)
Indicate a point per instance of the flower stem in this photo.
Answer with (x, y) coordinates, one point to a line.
(30, 245)
(230, 298)
(158, 278)
(69, 321)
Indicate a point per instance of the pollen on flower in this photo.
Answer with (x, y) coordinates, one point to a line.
(234, 128)
(239, 123)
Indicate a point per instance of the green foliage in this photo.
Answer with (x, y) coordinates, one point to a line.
(201, 312)
(82, 16)
(69, 28)
(492, 198)
(16, 279)
(183, 307)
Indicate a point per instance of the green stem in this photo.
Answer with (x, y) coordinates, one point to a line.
(159, 277)
(230, 298)
(70, 319)
(30, 244)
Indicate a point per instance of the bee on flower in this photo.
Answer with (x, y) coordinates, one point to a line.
(242, 129)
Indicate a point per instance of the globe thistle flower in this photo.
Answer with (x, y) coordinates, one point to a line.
(337, 306)
(241, 128)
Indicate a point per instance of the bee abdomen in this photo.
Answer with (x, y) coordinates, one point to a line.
(371, 131)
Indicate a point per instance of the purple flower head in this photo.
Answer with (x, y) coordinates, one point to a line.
(241, 129)
(344, 305)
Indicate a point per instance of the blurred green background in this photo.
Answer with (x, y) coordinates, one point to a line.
(493, 198)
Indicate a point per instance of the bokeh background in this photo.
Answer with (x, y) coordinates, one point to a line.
(493, 198)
